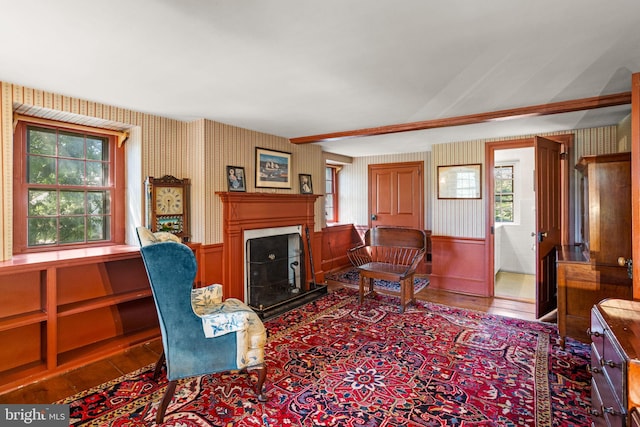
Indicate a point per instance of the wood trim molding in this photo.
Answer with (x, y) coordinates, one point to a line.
(635, 180)
(122, 136)
(510, 114)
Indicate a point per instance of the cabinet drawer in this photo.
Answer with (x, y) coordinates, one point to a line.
(596, 357)
(615, 368)
(603, 414)
(597, 416)
(597, 332)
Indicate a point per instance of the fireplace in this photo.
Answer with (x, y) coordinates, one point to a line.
(277, 274)
(274, 266)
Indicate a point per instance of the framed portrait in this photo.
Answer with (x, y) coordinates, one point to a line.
(273, 168)
(306, 187)
(236, 179)
(459, 182)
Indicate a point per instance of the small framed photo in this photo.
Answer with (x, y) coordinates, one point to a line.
(273, 168)
(306, 187)
(235, 179)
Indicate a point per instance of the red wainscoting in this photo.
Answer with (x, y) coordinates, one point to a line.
(459, 265)
(210, 264)
(336, 241)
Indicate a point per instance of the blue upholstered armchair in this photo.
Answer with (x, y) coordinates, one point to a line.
(201, 334)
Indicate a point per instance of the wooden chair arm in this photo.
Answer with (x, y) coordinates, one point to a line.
(359, 255)
(415, 261)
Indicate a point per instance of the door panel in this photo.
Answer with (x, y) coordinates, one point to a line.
(548, 227)
(406, 189)
(384, 192)
(396, 196)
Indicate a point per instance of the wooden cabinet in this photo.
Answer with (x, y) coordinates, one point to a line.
(581, 284)
(606, 207)
(615, 363)
(63, 309)
(590, 273)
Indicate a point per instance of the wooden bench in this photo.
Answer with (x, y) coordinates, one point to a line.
(390, 253)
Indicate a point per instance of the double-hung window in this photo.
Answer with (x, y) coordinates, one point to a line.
(331, 194)
(504, 193)
(68, 187)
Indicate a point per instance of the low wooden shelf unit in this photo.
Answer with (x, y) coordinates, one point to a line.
(64, 309)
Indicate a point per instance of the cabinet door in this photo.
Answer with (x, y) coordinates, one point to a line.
(606, 206)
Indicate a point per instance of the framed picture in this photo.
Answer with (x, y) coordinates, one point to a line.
(273, 168)
(235, 179)
(306, 187)
(459, 182)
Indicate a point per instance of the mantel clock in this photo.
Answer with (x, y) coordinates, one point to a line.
(168, 205)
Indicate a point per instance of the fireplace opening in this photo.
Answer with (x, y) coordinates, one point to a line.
(276, 267)
(275, 270)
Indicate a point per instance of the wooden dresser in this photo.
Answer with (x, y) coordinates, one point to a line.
(582, 284)
(589, 273)
(615, 362)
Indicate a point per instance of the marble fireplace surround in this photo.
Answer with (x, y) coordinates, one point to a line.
(251, 211)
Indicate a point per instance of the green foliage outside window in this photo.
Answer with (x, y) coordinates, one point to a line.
(68, 195)
(503, 194)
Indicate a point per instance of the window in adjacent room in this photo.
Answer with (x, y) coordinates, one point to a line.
(504, 193)
(331, 194)
(69, 187)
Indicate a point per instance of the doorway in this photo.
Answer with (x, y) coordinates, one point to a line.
(515, 224)
(551, 185)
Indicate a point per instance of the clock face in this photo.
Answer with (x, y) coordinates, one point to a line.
(169, 201)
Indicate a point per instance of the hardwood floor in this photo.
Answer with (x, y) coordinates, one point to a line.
(70, 383)
(502, 306)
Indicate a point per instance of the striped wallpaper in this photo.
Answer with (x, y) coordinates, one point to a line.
(157, 146)
(466, 218)
(456, 218)
(353, 182)
(200, 150)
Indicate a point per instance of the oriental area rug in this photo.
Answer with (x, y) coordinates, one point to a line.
(334, 362)
(352, 277)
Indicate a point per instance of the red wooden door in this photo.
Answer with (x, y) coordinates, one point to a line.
(396, 195)
(548, 222)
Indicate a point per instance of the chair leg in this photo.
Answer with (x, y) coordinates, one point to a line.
(403, 294)
(159, 365)
(171, 388)
(406, 293)
(262, 375)
(411, 285)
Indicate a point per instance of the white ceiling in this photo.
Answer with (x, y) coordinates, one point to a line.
(295, 68)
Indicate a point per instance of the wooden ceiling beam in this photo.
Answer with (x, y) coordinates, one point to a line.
(513, 113)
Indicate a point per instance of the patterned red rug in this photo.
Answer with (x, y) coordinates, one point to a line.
(336, 363)
(352, 277)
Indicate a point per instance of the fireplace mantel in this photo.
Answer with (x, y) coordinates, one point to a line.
(247, 211)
